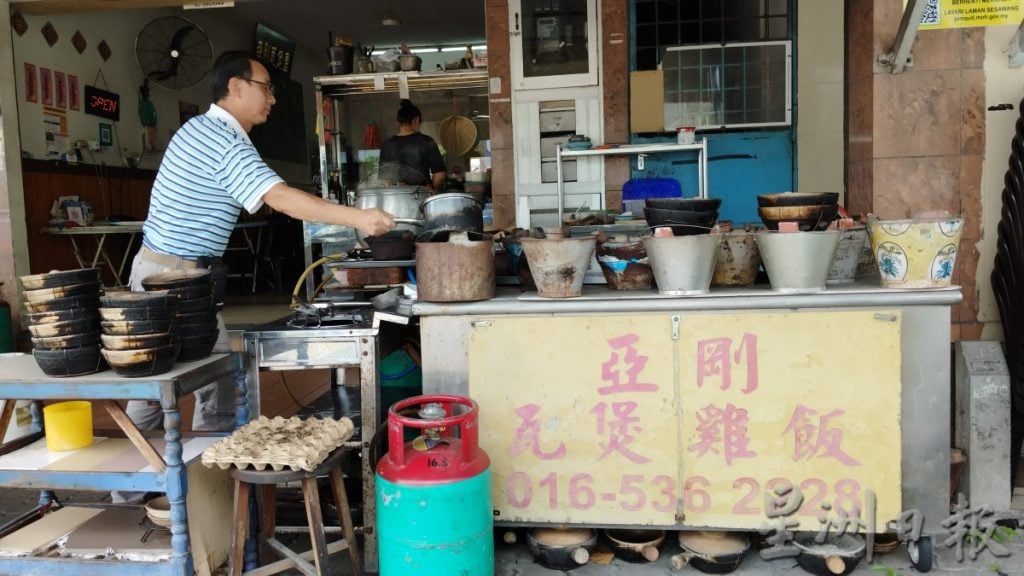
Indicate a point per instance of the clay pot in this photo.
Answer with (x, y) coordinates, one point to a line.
(561, 549)
(636, 545)
(836, 556)
(711, 552)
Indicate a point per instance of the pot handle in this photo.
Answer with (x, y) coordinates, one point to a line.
(580, 556)
(413, 221)
(650, 553)
(681, 560)
(835, 564)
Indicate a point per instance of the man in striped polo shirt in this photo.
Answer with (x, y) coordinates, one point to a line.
(209, 173)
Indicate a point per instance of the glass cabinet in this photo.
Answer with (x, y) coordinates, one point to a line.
(554, 43)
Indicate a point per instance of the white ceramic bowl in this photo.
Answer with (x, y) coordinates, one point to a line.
(159, 511)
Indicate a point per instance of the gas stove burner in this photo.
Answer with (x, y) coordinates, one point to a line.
(328, 316)
(358, 255)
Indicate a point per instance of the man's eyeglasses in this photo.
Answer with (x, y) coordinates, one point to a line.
(267, 86)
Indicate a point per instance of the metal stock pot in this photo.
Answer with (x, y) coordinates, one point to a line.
(452, 211)
(402, 202)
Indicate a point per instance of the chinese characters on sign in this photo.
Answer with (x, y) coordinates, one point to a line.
(619, 418)
(273, 49)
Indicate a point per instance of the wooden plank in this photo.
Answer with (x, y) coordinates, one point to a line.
(277, 567)
(316, 524)
(92, 458)
(41, 534)
(5, 418)
(140, 442)
(344, 514)
(240, 526)
(209, 502)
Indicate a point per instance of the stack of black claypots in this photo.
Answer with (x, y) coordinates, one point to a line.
(139, 336)
(61, 312)
(196, 319)
(685, 216)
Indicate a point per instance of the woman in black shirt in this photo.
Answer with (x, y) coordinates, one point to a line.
(410, 157)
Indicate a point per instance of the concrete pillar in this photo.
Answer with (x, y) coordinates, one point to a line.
(13, 232)
(983, 423)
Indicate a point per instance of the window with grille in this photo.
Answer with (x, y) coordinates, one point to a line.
(659, 24)
(726, 63)
(731, 86)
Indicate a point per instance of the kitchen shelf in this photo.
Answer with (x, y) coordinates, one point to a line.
(27, 463)
(342, 84)
(700, 147)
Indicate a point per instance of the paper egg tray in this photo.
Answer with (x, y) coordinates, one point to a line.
(279, 443)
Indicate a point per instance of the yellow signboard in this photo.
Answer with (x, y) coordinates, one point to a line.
(689, 420)
(939, 14)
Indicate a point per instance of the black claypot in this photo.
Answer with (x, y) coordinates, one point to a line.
(145, 362)
(154, 298)
(635, 545)
(723, 557)
(69, 361)
(561, 549)
(70, 341)
(60, 278)
(177, 279)
(83, 313)
(84, 301)
(124, 327)
(197, 347)
(140, 313)
(836, 556)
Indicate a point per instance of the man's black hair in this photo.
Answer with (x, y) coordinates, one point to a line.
(230, 64)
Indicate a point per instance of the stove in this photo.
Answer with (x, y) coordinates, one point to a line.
(330, 315)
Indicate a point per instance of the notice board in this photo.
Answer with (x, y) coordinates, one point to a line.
(283, 135)
(689, 420)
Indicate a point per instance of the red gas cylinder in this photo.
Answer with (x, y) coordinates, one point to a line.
(434, 493)
(448, 458)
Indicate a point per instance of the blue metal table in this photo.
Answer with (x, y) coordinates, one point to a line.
(21, 378)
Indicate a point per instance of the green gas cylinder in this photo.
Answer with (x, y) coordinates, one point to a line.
(6, 335)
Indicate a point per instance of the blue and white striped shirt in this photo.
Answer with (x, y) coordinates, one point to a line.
(210, 171)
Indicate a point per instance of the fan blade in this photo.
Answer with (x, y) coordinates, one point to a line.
(179, 36)
(171, 72)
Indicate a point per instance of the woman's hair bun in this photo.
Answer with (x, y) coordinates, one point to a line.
(406, 103)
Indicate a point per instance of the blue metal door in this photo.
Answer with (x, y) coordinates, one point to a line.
(741, 165)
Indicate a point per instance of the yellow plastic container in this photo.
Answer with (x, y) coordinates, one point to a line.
(68, 425)
(918, 253)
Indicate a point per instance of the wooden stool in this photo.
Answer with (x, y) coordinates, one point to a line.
(267, 480)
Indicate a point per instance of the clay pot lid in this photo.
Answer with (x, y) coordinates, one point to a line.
(562, 536)
(713, 544)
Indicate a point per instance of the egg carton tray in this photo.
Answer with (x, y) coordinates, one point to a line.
(280, 443)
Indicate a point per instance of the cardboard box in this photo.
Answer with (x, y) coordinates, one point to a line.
(647, 101)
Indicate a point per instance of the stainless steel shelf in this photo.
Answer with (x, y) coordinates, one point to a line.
(700, 147)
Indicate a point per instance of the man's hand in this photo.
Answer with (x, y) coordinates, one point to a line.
(374, 221)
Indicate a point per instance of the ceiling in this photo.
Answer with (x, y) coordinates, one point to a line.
(423, 23)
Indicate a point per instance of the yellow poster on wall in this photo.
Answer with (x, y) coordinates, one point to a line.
(689, 420)
(939, 14)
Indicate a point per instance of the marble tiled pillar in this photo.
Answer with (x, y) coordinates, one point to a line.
(12, 205)
(915, 140)
(615, 88)
(500, 108)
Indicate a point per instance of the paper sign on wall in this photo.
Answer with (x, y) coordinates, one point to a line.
(970, 13)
